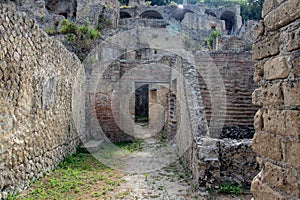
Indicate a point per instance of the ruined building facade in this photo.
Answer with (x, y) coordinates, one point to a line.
(51, 102)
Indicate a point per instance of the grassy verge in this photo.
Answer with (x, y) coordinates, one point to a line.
(79, 176)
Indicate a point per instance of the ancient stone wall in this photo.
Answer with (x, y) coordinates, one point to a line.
(95, 11)
(37, 86)
(237, 161)
(277, 123)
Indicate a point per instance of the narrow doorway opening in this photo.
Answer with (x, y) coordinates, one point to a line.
(142, 103)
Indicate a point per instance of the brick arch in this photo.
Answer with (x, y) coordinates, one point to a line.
(124, 14)
(210, 13)
(179, 14)
(151, 14)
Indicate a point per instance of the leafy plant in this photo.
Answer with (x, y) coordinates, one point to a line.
(148, 3)
(209, 41)
(51, 31)
(146, 176)
(230, 188)
(74, 33)
(68, 27)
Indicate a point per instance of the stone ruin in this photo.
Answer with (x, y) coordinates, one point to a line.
(51, 102)
(277, 122)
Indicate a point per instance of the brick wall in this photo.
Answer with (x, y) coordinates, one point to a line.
(236, 70)
(277, 123)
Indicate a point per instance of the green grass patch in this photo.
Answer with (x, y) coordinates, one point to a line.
(231, 188)
(79, 176)
(131, 147)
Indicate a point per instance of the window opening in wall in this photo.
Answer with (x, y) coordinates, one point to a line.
(142, 103)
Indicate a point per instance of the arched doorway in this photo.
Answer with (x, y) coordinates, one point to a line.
(151, 14)
(229, 19)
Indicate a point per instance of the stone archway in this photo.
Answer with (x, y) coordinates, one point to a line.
(229, 18)
(124, 14)
(151, 14)
(179, 14)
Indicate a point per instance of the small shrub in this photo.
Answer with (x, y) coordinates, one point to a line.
(212, 37)
(173, 4)
(148, 3)
(50, 31)
(230, 188)
(94, 34)
(70, 37)
(68, 27)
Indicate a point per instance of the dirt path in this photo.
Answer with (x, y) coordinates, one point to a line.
(160, 175)
(149, 170)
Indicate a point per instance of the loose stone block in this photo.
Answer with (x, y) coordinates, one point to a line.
(276, 68)
(268, 96)
(282, 122)
(292, 154)
(258, 121)
(281, 178)
(259, 72)
(258, 30)
(274, 121)
(267, 7)
(267, 145)
(291, 93)
(267, 47)
(293, 40)
(283, 15)
(263, 191)
(292, 123)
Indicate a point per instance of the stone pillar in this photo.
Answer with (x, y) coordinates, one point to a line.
(277, 123)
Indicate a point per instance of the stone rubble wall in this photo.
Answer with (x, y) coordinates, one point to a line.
(38, 81)
(91, 10)
(237, 161)
(277, 123)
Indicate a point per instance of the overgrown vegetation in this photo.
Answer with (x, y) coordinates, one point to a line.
(80, 176)
(231, 188)
(212, 37)
(78, 32)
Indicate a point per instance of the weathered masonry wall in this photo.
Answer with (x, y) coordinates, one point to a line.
(277, 123)
(37, 83)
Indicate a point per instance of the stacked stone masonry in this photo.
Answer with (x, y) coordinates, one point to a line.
(37, 82)
(277, 123)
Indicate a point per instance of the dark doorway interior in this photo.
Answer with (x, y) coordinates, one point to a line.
(142, 103)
